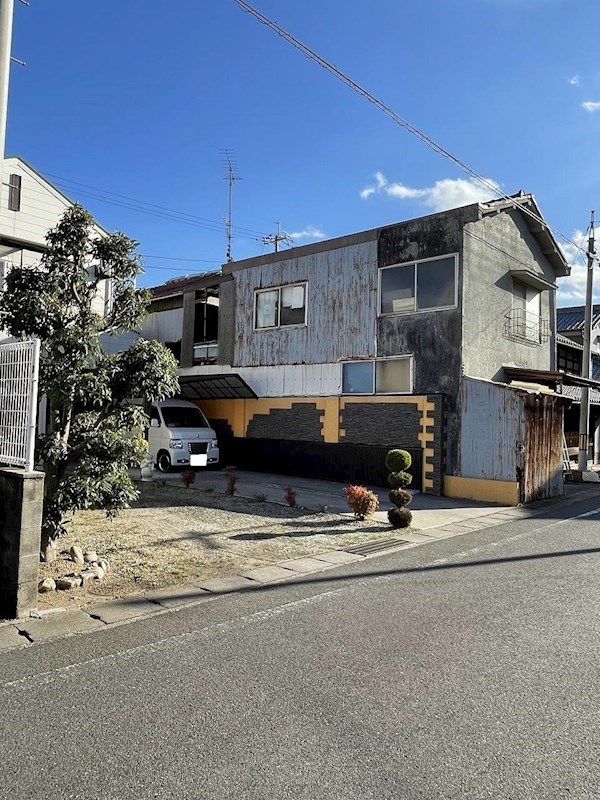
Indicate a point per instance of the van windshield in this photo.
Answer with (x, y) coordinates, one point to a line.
(183, 417)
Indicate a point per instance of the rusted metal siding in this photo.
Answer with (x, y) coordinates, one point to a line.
(341, 308)
(492, 431)
(512, 435)
(543, 476)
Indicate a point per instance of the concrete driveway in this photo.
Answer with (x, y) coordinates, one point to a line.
(428, 511)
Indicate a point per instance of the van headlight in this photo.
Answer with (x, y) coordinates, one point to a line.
(176, 444)
(214, 444)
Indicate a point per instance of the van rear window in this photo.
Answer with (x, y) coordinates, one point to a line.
(182, 417)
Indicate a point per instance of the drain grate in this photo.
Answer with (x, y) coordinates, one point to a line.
(378, 546)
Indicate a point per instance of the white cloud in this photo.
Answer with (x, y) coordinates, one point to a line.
(310, 232)
(572, 289)
(591, 106)
(444, 194)
(574, 80)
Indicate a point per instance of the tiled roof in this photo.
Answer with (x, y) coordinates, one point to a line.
(574, 392)
(571, 319)
(560, 339)
(179, 285)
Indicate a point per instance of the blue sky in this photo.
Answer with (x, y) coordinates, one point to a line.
(137, 100)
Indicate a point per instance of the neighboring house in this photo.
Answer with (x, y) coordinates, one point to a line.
(29, 207)
(327, 355)
(569, 359)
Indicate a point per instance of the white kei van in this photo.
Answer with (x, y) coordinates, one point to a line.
(179, 435)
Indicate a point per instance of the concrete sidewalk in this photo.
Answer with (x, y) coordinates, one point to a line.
(456, 520)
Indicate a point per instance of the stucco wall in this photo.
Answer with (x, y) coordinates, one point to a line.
(487, 296)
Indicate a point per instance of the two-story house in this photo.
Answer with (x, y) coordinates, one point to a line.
(329, 354)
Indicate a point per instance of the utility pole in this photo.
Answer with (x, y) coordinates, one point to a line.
(584, 410)
(6, 26)
(276, 238)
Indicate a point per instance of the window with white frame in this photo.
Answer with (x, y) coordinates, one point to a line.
(280, 306)
(380, 376)
(430, 284)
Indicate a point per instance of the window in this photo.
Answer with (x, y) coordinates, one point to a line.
(280, 307)
(384, 376)
(14, 192)
(569, 360)
(418, 286)
(524, 319)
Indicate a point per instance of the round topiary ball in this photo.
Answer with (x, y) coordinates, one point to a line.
(398, 460)
(399, 517)
(400, 497)
(398, 480)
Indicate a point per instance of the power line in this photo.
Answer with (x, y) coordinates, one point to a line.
(433, 145)
(97, 194)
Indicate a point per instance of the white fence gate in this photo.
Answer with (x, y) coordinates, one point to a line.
(19, 364)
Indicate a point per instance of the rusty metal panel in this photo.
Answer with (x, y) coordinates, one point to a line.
(543, 471)
(341, 308)
(492, 431)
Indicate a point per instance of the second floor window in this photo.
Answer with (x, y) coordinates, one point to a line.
(14, 192)
(418, 286)
(280, 307)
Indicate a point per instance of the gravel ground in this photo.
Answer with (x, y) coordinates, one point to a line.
(173, 535)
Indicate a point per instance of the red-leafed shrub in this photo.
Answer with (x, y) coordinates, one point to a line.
(363, 503)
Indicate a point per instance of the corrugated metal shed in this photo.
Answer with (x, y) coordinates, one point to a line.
(513, 435)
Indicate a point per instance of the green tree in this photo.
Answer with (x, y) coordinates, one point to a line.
(91, 441)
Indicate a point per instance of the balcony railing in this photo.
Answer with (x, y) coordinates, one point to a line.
(206, 353)
(523, 326)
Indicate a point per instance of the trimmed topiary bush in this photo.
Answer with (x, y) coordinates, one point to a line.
(398, 460)
(399, 517)
(400, 497)
(398, 480)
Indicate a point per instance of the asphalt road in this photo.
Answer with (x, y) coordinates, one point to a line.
(466, 668)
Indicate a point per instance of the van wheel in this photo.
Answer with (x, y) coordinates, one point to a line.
(163, 461)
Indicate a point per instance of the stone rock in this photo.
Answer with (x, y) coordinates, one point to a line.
(50, 553)
(98, 572)
(86, 576)
(68, 582)
(77, 554)
(46, 585)
(90, 557)
(103, 564)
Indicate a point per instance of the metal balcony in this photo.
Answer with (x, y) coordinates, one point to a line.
(523, 326)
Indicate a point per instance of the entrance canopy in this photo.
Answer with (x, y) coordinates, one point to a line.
(214, 387)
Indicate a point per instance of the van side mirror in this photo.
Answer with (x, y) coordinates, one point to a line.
(154, 423)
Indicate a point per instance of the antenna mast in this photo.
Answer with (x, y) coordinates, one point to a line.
(231, 176)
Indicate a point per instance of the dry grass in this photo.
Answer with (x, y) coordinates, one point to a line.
(174, 535)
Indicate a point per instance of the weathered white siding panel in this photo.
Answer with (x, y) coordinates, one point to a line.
(341, 310)
(310, 380)
(164, 326)
(492, 432)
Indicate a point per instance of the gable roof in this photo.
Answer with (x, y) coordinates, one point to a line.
(537, 227)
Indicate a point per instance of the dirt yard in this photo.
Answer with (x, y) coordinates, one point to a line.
(173, 535)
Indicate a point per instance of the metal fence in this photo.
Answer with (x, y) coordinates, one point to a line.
(19, 363)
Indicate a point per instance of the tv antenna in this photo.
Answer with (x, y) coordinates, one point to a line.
(231, 176)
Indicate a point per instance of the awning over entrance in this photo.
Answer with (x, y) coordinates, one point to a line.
(563, 382)
(214, 387)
